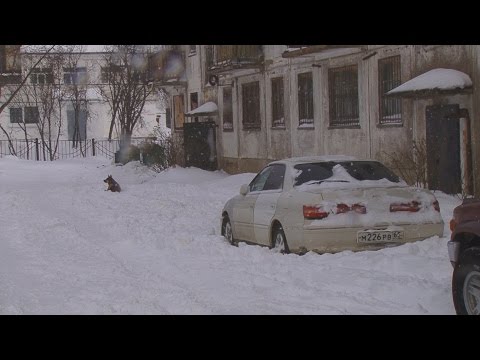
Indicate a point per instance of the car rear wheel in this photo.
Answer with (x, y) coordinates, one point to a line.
(466, 283)
(279, 241)
(227, 230)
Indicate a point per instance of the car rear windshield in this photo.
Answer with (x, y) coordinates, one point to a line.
(369, 170)
(313, 172)
(359, 170)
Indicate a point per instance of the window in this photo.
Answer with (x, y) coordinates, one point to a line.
(343, 91)
(76, 76)
(270, 178)
(32, 115)
(193, 49)
(178, 111)
(29, 113)
(305, 99)
(390, 109)
(168, 118)
(3, 58)
(16, 115)
(77, 124)
(278, 119)
(41, 76)
(194, 103)
(227, 109)
(112, 73)
(251, 105)
(193, 100)
(104, 74)
(369, 170)
(313, 172)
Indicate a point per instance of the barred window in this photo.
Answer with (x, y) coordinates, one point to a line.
(278, 119)
(16, 115)
(343, 93)
(227, 109)
(251, 105)
(305, 99)
(390, 108)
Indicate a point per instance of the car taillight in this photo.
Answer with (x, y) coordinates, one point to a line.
(318, 212)
(359, 208)
(453, 224)
(412, 206)
(342, 208)
(314, 212)
(436, 205)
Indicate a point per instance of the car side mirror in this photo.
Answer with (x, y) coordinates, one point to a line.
(244, 189)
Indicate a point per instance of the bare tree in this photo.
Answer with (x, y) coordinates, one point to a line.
(45, 95)
(15, 89)
(76, 85)
(126, 90)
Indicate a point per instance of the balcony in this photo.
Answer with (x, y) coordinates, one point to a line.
(221, 58)
(304, 50)
(10, 78)
(167, 67)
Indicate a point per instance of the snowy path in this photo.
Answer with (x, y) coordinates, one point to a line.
(69, 247)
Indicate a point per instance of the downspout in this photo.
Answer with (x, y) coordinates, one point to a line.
(267, 137)
(238, 127)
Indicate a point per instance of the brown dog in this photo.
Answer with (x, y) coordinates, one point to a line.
(113, 186)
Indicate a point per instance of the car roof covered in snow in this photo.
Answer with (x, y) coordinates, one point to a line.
(322, 158)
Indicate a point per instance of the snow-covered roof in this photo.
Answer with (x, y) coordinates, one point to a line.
(436, 79)
(209, 108)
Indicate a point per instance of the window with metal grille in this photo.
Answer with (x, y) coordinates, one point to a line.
(227, 109)
(16, 115)
(305, 99)
(251, 105)
(343, 94)
(32, 115)
(390, 109)
(278, 118)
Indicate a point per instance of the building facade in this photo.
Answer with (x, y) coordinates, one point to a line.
(80, 71)
(278, 101)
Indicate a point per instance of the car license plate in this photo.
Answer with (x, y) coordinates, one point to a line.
(379, 236)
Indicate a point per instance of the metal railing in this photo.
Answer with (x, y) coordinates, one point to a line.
(36, 149)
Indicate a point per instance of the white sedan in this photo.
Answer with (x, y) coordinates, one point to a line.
(329, 204)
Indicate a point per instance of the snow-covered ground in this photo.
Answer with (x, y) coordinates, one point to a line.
(69, 247)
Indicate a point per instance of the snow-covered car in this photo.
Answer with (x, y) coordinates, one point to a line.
(329, 204)
(464, 254)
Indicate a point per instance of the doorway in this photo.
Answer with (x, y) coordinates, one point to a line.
(443, 148)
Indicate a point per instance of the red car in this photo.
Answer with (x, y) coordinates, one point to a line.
(464, 253)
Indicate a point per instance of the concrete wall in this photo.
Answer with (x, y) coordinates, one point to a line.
(248, 150)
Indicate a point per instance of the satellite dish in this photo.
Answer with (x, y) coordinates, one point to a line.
(213, 80)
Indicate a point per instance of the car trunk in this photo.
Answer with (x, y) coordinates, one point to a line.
(380, 206)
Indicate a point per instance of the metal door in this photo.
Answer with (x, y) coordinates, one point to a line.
(443, 148)
(200, 145)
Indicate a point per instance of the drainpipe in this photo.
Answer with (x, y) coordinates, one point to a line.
(238, 126)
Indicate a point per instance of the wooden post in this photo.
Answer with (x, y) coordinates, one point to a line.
(93, 147)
